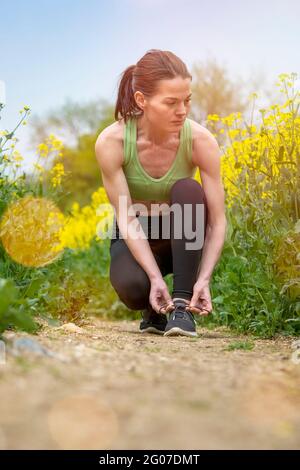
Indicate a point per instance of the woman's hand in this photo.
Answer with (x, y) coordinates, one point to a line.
(159, 297)
(201, 301)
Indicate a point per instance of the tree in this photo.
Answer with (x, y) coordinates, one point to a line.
(214, 92)
(78, 126)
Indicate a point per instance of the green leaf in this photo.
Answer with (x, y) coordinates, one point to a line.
(218, 300)
(8, 293)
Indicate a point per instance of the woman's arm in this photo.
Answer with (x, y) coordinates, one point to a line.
(207, 156)
(110, 161)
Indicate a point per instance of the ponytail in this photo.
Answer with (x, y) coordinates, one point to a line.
(126, 105)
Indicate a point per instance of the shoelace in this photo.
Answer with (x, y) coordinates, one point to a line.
(181, 309)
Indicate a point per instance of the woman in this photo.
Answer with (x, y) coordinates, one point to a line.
(148, 158)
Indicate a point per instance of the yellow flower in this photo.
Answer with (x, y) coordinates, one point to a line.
(233, 133)
(50, 145)
(252, 96)
(38, 167)
(55, 143)
(283, 76)
(17, 156)
(57, 172)
(43, 149)
(213, 117)
(83, 224)
(229, 120)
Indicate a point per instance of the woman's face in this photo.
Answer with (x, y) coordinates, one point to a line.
(171, 103)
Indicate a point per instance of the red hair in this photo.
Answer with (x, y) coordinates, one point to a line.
(155, 65)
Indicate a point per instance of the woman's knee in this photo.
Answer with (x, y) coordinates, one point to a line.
(189, 195)
(133, 290)
(186, 189)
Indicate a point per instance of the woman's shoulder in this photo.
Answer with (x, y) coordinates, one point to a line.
(200, 136)
(114, 131)
(113, 135)
(199, 131)
(111, 138)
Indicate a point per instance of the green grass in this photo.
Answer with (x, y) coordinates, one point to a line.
(244, 345)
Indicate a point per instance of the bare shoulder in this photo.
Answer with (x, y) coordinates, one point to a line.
(204, 144)
(109, 143)
(112, 133)
(200, 132)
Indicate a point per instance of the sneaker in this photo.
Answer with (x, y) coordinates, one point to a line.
(153, 322)
(181, 321)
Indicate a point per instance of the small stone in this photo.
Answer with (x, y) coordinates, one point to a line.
(23, 345)
(29, 345)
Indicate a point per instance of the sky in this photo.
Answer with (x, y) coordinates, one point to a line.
(53, 50)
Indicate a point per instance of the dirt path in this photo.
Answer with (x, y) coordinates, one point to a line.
(109, 387)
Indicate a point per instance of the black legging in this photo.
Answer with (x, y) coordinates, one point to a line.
(129, 279)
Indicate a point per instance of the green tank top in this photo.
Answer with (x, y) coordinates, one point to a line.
(141, 185)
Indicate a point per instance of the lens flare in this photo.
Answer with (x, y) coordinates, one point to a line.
(29, 230)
